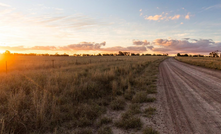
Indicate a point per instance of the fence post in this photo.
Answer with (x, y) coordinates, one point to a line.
(6, 68)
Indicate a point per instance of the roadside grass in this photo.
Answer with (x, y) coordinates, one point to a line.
(118, 104)
(141, 97)
(149, 130)
(103, 121)
(129, 121)
(105, 130)
(70, 96)
(84, 131)
(208, 62)
(149, 112)
(134, 109)
(151, 89)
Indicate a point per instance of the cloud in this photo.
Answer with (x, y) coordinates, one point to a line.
(175, 17)
(129, 49)
(187, 16)
(163, 16)
(140, 10)
(186, 46)
(5, 11)
(44, 28)
(71, 47)
(4, 5)
(84, 46)
(156, 17)
(214, 6)
(141, 14)
(139, 46)
(139, 42)
(181, 23)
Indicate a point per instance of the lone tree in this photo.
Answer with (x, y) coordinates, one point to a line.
(7, 52)
(178, 54)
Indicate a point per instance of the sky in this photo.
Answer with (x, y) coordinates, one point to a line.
(109, 26)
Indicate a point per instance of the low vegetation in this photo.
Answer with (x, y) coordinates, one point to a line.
(105, 130)
(208, 62)
(104, 121)
(148, 112)
(149, 130)
(141, 97)
(129, 121)
(118, 104)
(74, 93)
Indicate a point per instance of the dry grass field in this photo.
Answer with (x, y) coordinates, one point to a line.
(76, 94)
(209, 62)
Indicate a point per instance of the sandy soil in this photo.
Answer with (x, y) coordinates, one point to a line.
(188, 99)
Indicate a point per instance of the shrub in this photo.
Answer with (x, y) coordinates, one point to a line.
(141, 97)
(84, 131)
(118, 104)
(104, 120)
(134, 109)
(128, 121)
(148, 112)
(149, 130)
(105, 130)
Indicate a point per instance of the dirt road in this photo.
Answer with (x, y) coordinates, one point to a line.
(189, 99)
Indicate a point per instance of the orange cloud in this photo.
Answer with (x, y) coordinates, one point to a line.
(163, 16)
(187, 16)
(175, 17)
(139, 42)
(156, 17)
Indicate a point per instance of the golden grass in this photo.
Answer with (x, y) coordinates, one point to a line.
(37, 98)
(208, 62)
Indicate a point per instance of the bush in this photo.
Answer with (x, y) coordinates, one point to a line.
(141, 97)
(149, 130)
(134, 109)
(104, 120)
(128, 121)
(148, 112)
(118, 104)
(105, 130)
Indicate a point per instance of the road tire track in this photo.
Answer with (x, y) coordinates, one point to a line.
(189, 98)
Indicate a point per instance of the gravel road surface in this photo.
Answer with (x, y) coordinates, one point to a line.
(189, 99)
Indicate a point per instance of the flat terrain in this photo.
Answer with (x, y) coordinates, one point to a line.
(189, 98)
(208, 62)
(78, 95)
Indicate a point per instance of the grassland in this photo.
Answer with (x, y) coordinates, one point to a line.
(208, 62)
(75, 94)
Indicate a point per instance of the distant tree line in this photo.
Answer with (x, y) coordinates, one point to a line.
(188, 55)
(120, 53)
